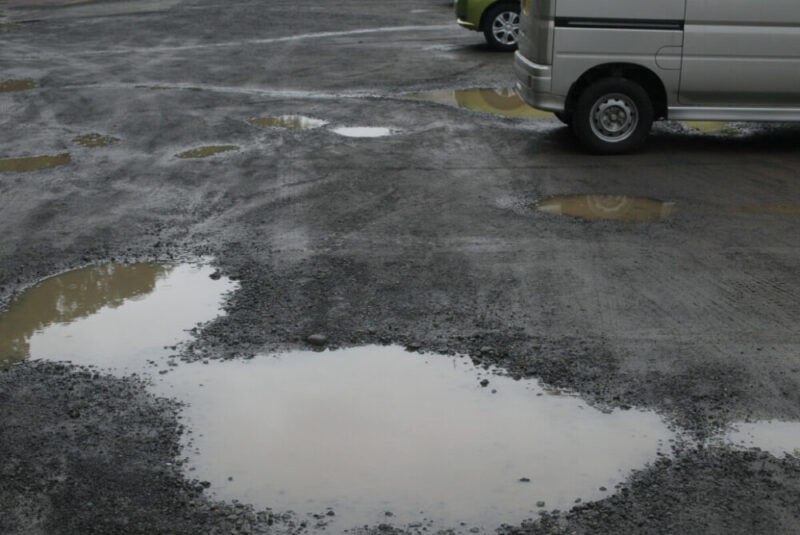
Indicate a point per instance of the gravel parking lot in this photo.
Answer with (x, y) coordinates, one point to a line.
(427, 236)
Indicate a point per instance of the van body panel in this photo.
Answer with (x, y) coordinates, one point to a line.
(536, 29)
(622, 9)
(576, 51)
(741, 53)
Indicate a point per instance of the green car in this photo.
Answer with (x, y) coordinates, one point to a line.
(497, 19)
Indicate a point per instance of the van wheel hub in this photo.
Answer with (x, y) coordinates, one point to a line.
(614, 118)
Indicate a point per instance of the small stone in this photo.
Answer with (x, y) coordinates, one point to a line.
(474, 530)
(485, 383)
(215, 276)
(388, 513)
(317, 339)
(540, 504)
(414, 346)
(330, 513)
(524, 480)
(603, 489)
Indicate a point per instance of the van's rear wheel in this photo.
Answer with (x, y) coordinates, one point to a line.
(613, 116)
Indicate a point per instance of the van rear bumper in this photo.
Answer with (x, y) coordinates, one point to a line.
(534, 85)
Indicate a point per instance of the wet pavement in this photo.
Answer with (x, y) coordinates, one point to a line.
(429, 238)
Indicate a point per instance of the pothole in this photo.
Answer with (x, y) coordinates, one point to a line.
(364, 131)
(8, 86)
(33, 163)
(371, 430)
(292, 122)
(614, 207)
(205, 152)
(112, 316)
(502, 101)
(95, 140)
(369, 435)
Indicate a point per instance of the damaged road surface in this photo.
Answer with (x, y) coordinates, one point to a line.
(302, 267)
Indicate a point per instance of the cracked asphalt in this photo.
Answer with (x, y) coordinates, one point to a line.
(427, 237)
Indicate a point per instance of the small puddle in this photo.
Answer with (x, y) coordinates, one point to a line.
(371, 430)
(95, 140)
(776, 437)
(116, 316)
(712, 127)
(17, 85)
(292, 122)
(205, 152)
(32, 163)
(364, 131)
(614, 207)
(502, 101)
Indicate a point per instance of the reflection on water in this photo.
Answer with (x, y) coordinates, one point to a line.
(778, 438)
(503, 101)
(292, 122)
(374, 429)
(111, 315)
(363, 131)
(615, 207)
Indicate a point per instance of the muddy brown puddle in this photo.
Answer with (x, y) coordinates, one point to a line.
(95, 140)
(206, 151)
(7, 86)
(499, 101)
(361, 432)
(111, 316)
(33, 163)
(614, 207)
(289, 122)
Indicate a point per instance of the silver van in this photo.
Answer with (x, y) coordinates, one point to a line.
(610, 67)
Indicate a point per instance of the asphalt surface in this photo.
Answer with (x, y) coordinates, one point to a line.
(426, 238)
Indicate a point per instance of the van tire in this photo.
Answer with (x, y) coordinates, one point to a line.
(612, 116)
(504, 37)
(564, 117)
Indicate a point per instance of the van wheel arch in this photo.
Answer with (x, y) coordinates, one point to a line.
(643, 76)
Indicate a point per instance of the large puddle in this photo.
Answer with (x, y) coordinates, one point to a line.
(614, 207)
(376, 430)
(344, 438)
(111, 316)
(502, 101)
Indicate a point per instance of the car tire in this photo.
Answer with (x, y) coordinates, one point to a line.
(564, 117)
(501, 26)
(612, 116)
